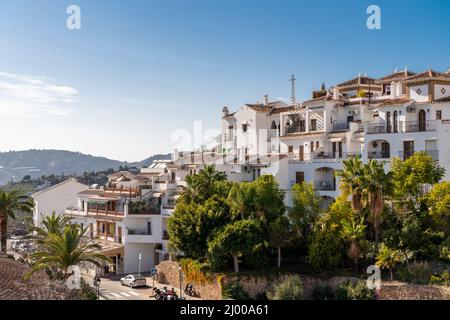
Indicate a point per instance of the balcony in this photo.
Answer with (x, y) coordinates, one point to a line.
(140, 236)
(403, 127)
(295, 129)
(335, 155)
(341, 126)
(378, 154)
(324, 185)
(434, 154)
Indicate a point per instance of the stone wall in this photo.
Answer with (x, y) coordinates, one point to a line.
(403, 291)
(168, 273)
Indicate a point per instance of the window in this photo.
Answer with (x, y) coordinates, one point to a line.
(317, 145)
(313, 124)
(438, 114)
(290, 149)
(388, 122)
(312, 146)
(408, 149)
(299, 177)
(395, 121)
(386, 89)
(244, 127)
(350, 119)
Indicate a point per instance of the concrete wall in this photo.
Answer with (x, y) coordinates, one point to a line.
(131, 259)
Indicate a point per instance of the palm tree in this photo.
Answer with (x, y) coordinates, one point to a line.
(241, 199)
(50, 224)
(352, 182)
(11, 203)
(388, 258)
(377, 184)
(353, 231)
(59, 251)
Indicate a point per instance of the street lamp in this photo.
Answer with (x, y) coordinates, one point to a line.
(181, 288)
(97, 285)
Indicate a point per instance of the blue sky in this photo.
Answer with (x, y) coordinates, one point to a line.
(139, 70)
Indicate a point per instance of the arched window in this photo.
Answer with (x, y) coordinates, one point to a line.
(312, 146)
(274, 125)
(317, 145)
(274, 129)
(395, 121)
(388, 122)
(422, 120)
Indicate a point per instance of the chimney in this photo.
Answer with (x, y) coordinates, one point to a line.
(266, 100)
(225, 111)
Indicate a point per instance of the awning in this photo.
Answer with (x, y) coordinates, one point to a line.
(111, 248)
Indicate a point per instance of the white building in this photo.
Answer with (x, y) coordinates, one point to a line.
(55, 199)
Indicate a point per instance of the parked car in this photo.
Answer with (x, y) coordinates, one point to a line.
(133, 281)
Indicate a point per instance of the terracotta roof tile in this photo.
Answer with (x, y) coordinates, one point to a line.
(396, 76)
(430, 74)
(357, 81)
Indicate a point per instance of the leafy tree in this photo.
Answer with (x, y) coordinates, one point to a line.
(234, 291)
(11, 203)
(305, 210)
(269, 198)
(235, 240)
(203, 185)
(439, 203)
(376, 185)
(192, 224)
(351, 182)
(279, 235)
(290, 288)
(355, 290)
(59, 251)
(241, 199)
(388, 258)
(412, 179)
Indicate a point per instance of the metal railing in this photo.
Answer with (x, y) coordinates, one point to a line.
(403, 127)
(335, 155)
(325, 185)
(341, 126)
(138, 232)
(378, 154)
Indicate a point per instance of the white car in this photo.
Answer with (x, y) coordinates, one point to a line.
(133, 281)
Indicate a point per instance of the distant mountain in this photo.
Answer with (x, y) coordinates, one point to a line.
(17, 164)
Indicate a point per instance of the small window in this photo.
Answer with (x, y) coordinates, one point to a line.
(438, 114)
(317, 145)
(244, 127)
(290, 149)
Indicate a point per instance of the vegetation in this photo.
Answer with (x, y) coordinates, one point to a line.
(355, 290)
(11, 203)
(234, 291)
(290, 288)
(60, 245)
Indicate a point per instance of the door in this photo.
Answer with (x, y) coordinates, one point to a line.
(149, 227)
(340, 149)
(301, 153)
(385, 150)
(313, 124)
(299, 177)
(422, 121)
(119, 234)
(408, 149)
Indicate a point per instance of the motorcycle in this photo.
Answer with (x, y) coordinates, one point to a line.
(189, 290)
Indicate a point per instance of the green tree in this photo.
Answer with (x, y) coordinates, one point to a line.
(59, 251)
(50, 224)
(11, 203)
(305, 210)
(388, 258)
(279, 235)
(235, 240)
(376, 185)
(438, 200)
(412, 178)
(351, 182)
(203, 185)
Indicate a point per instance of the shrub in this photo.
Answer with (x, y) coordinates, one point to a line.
(323, 292)
(355, 290)
(441, 279)
(416, 272)
(326, 250)
(234, 291)
(289, 289)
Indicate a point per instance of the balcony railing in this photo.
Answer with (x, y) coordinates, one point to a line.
(335, 155)
(403, 127)
(340, 126)
(138, 232)
(378, 154)
(433, 153)
(324, 185)
(295, 129)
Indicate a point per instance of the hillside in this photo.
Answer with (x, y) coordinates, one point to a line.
(16, 164)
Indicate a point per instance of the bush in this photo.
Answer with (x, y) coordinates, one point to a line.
(441, 279)
(326, 250)
(234, 291)
(419, 272)
(355, 290)
(323, 292)
(289, 289)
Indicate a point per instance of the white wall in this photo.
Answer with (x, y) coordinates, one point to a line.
(131, 257)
